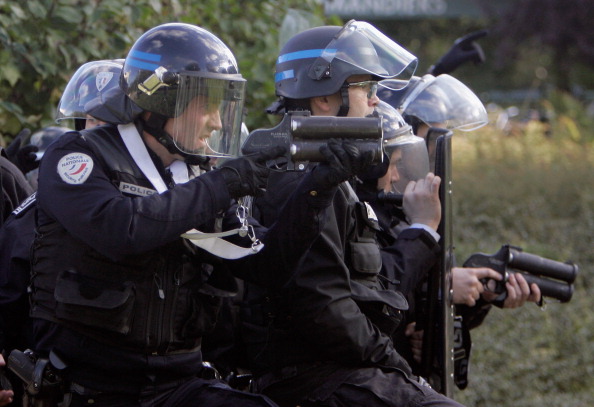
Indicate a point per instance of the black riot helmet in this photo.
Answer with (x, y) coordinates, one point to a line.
(93, 90)
(174, 67)
(393, 126)
(318, 61)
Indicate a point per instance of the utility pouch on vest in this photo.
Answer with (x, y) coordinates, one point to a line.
(365, 257)
(365, 253)
(383, 307)
(94, 302)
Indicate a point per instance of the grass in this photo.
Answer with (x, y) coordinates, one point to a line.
(532, 189)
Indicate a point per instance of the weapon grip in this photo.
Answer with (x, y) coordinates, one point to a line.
(540, 266)
(550, 288)
(494, 262)
(21, 364)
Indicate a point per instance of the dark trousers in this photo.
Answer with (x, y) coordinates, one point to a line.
(193, 392)
(360, 387)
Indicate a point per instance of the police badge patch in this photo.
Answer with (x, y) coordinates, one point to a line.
(102, 79)
(75, 168)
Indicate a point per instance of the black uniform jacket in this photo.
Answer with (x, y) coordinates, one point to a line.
(334, 309)
(122, 290)
(14, 186)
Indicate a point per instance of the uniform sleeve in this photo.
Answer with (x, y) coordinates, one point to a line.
(408, 259)
(15, 187)
(90, 207)
(300, 220)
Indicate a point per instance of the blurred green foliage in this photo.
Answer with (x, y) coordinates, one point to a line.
(531, 187)
(44, 41)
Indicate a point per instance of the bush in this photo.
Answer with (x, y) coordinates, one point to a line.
(534, 191)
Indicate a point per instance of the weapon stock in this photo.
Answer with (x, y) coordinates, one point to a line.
(302, 135)
(555, 279)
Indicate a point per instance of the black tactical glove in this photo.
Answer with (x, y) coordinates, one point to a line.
(26, 159)
(248, 175)
(23, 157)
(343, 160)
(14, 146)
(464, 49)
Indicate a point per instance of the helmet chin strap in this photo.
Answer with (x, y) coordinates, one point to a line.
(155, 126)
(344, 96)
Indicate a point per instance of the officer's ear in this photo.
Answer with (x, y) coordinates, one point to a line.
(324, 105)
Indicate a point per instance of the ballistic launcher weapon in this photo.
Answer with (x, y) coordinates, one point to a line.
(302, 135)
(555, 279)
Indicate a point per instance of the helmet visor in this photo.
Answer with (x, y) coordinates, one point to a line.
(362, 45)
(208, 115)
(447, 103)
(409, 161)
(393, 124)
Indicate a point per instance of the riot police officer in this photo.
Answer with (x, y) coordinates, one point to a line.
(13, 184)
(84, 93)
(445, 102)
(120, 299)
(322, 337)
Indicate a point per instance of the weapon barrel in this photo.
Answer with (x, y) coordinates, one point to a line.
(391, 198)
(325, 127)
(309, 150)
(550, 288)
(543, 267)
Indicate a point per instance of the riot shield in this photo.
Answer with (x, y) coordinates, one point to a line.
(437, 364)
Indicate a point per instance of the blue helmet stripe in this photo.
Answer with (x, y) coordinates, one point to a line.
(145, 55)
(141, 64)
(284, 75)
(307, 53)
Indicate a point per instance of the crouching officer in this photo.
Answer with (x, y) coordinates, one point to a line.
(82, 101)
(120, 299)
(323, 338)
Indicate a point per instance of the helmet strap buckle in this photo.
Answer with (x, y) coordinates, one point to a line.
(155, 127)
(344, 96)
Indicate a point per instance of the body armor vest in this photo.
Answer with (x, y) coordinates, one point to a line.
(150, 302)
(266, 324)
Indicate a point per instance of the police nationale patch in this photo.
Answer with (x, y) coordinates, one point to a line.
(75, 168)
(137, 190)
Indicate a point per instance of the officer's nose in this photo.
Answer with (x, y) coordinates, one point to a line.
(394, 174)
(214, 119)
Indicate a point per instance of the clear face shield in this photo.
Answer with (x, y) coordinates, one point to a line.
(445, 102)
(393, 124)
(409, 161)
(208, 115)
(362, 45)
